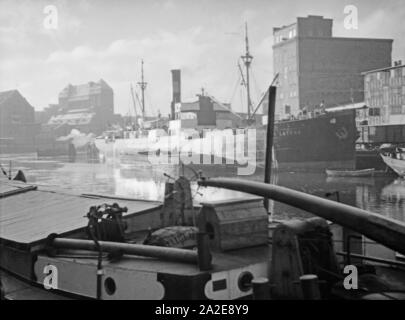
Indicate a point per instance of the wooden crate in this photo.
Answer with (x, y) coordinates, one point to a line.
(234, 224)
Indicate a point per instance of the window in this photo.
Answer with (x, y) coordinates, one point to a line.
(374, 112)
(396, 109)
(290, 34)
(287, 109)
(294, 32)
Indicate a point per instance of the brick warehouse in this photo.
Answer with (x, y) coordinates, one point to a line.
(87, 107)
(317, 69)
(17, 123)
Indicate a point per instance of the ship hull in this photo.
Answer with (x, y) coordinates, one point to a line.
(327, 141)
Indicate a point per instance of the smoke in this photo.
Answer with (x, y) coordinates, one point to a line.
(78, 138)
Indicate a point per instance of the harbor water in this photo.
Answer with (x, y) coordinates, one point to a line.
(383, 195)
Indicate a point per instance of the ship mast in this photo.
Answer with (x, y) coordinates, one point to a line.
(142, 85)
(247, 60)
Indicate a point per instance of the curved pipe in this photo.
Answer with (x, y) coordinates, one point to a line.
(171, 254)
(386, 231)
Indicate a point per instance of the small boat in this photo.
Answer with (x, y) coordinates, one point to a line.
(350, 173)
(398, 165)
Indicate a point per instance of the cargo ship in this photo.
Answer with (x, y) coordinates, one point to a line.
(325, 141)
(309, 141)
(315, 143)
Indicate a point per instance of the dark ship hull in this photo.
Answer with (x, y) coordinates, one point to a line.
(313, 144)
(326, 141)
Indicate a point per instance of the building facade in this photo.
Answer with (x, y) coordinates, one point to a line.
(17, 123)
(87, 107)
(317, 70)
(207, 113)
(385, 95)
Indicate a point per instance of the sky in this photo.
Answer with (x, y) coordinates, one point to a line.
(97, 39)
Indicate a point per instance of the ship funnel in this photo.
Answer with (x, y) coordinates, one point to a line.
(176, 80)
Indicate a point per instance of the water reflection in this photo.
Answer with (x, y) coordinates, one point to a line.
(394, 195)
(383, 195)
(150, 184)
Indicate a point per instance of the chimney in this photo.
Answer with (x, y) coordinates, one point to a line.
(176, 98)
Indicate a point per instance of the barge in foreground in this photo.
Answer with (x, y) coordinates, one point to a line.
(135, 249)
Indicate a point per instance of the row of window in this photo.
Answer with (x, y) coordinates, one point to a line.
(393, 96)
(386, 75)
(383, 83)
(393, 109)
(292, 94)
(397, 109)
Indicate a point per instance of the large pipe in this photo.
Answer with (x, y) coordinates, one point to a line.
(172, 254)
(386, 231)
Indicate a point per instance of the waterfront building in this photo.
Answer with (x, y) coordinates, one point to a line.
(385, 95)
(206, 113)
(87, 107)
(317, 70)
(17, 123)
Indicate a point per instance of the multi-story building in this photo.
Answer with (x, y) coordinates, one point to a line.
(87, 107)
(385, 98)
(317, 70)
(385, 95)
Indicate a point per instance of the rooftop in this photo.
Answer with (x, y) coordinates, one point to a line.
(195, 106)
(384, 69)
(84, 89)
(5, 95)
(276, 29)
(78, 118)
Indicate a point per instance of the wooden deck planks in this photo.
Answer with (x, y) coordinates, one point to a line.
(29, 217)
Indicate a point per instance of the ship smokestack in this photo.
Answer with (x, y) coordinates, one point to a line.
(176, 80)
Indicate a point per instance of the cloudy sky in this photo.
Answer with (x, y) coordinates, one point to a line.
(204, 38)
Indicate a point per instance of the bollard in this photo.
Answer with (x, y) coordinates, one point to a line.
(310, 287)
(204, 254)
(261, 289)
